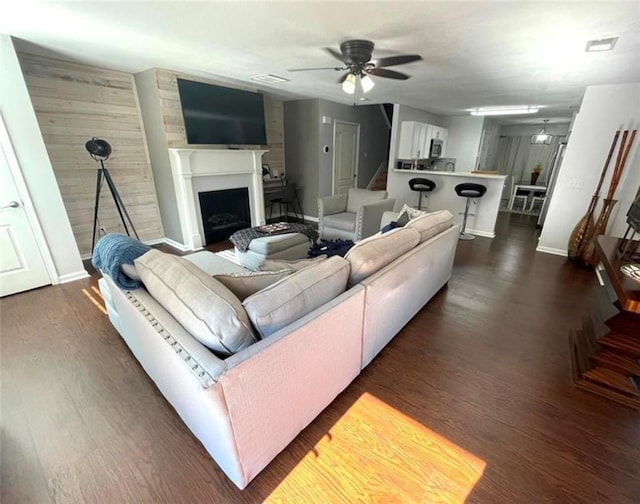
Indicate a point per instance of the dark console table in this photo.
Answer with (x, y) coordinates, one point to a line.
(605, 350)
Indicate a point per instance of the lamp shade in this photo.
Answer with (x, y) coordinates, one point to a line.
(349, 84)
(367, 83)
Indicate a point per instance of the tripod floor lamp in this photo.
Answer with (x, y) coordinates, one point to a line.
(100, 150)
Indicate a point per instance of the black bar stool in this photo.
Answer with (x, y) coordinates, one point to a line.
(469, 190)
(422, 185)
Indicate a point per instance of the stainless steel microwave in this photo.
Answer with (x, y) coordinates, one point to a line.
(435, 150)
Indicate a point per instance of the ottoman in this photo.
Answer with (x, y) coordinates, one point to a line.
(288, 247)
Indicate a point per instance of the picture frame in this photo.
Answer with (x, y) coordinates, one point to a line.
(406, 166)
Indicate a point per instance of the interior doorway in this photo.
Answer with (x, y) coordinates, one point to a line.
(345, 156)
(22, 265)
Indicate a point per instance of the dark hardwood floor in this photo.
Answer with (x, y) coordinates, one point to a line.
(471, 402)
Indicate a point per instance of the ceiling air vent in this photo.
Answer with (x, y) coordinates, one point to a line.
(605, 44)
(269, 78)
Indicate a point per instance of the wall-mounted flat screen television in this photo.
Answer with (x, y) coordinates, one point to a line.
(220, 115)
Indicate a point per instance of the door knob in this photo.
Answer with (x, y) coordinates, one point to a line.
(12, 204)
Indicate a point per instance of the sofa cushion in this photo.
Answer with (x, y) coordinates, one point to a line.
(296, 295)
(431, 224)
(201, 304)
(273, 265)
(360, 197)
(345, 221)
(374, 253)
(244, 285)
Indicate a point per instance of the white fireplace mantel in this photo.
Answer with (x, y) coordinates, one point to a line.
(215, 170)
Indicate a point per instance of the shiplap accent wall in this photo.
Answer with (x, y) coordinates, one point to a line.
(74, 102)
(174, 122)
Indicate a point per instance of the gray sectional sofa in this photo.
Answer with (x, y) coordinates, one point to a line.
(246, 405)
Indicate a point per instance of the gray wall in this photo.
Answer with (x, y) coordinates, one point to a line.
(463, 142)
(302, 154)
(305, 137)
(374, 140)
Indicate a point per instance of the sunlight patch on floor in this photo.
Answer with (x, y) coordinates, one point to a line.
(97, 303)
(376, 453)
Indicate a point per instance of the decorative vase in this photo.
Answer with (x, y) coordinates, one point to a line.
(587, 256)
(583, 228)
(534, 177)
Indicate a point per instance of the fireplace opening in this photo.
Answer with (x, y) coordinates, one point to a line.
(224, 212)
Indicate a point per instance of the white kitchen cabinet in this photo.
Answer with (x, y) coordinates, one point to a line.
(415, 140)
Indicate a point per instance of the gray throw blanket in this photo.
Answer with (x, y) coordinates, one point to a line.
(242, 238)
(113, 250)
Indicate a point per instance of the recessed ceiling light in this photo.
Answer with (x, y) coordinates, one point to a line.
(269, 78)
(506, 110)
(598, 45)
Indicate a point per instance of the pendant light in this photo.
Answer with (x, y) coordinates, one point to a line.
(542, 138)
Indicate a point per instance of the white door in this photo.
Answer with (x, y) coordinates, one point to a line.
(21, 264)
(345, 156)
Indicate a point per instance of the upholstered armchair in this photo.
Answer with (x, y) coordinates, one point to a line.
(352, 216)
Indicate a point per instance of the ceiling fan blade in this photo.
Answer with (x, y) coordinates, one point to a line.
(396, 60)
(390, 74)
(317, 68)
(340, 56)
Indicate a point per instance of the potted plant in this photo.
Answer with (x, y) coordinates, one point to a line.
(535, 173)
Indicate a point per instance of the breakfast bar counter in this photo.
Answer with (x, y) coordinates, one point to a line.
(444, 197)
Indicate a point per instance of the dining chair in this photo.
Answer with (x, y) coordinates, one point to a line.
(519, 194)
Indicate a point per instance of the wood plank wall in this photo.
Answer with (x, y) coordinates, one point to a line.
(174, 122)
(73, 103)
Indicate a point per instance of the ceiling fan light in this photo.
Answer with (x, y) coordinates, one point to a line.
(367, 83)
(349, 84)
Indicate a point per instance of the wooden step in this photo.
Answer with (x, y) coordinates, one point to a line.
(619, 363)
(603, 391)
(624, 323)
(620, 342)
(612, 380)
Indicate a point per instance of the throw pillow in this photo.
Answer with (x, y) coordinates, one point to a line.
(293, 297)
(374, 253)
(411, 212)
(243, 285)
(201, 304)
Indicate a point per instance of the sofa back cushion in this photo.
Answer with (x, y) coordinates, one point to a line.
(298, 264)
(361, 197)
(201, 304)
(244, 285)
(431, 224)
(374, 253)
(296, 295)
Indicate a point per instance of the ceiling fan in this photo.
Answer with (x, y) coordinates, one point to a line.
(356, 56)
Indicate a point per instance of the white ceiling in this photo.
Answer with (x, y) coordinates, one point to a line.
(475, 53)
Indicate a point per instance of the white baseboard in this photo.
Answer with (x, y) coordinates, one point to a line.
(484, 234)
(177, 245)
(71, 277)
(310, 218)
(554, 251)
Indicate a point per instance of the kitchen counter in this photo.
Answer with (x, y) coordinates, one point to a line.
(444, 197)
(426, 173)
